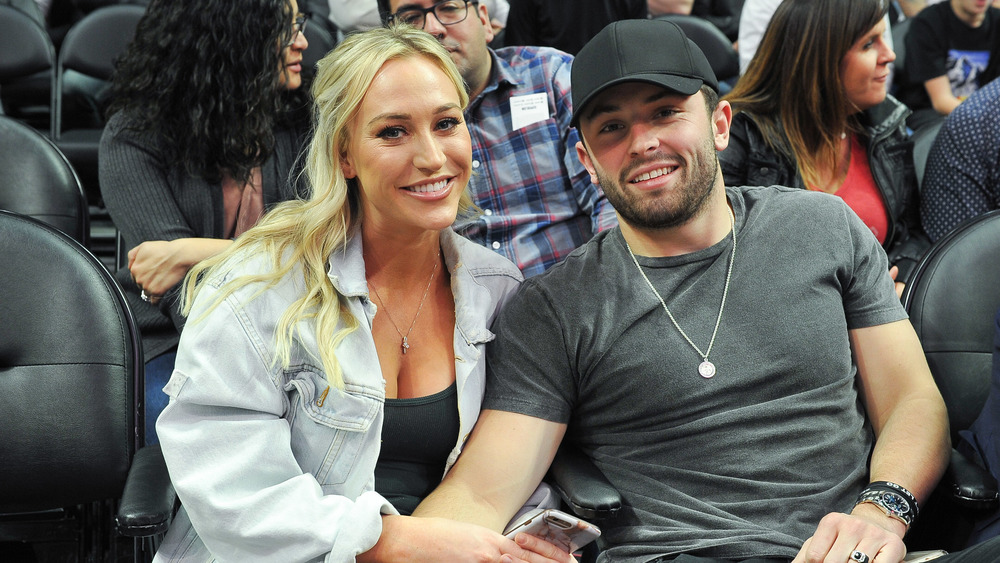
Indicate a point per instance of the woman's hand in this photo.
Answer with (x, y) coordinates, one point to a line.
(158, 265)
(539, 547)
(439, 540)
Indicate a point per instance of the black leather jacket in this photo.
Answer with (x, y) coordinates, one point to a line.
(750, 162)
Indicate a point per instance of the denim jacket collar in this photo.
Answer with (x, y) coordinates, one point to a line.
(347, 274)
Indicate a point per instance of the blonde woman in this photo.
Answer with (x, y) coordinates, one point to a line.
(340, 330)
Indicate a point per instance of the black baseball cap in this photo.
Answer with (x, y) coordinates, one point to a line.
(653, 51)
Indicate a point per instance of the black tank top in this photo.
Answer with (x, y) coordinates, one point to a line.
(417, 436)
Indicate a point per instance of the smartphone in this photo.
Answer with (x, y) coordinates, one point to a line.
(555, 526)
(920, 556)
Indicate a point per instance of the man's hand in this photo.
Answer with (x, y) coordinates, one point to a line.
(439, 540)
(867, 529)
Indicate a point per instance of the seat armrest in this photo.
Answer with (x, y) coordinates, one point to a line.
(582, 486)
(970, 485)
(147, 504)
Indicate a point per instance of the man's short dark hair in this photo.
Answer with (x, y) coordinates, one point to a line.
(711, 98)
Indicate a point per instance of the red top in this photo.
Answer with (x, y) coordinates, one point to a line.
(861, 194)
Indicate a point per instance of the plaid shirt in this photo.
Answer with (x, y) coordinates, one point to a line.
(537, 199)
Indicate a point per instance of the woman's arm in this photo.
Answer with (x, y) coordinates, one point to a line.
(139, 192)
(159, 265)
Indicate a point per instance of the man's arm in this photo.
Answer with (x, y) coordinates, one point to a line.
(939, 90)
(910, 422)
(904, 405)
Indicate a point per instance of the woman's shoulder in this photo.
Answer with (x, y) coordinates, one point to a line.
(124, 126)
(250, 269)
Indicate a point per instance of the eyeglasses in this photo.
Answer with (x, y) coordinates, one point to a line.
(298, 27)
(448, 12)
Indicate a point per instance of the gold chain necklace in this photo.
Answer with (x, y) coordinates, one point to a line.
(706, 368)
(405, 345)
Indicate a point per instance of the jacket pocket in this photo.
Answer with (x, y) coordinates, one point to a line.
(332, 431)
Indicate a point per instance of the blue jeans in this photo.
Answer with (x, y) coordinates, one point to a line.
(158, 372)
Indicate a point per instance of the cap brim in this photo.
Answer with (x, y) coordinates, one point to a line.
(683, 85)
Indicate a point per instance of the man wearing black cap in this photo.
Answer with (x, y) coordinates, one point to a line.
(735, 361)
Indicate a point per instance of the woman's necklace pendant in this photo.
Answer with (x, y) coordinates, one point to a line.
(406, 346)
(706, 369)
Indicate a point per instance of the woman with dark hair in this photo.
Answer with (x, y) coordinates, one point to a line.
(812, 112)
(206, 122)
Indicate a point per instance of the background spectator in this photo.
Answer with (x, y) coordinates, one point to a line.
(812, 112)
(205, 126)
(962, 179)
(947, 47)
(538, 202)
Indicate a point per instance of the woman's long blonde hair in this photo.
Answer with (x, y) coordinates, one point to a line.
(793, 87)
(306, 232)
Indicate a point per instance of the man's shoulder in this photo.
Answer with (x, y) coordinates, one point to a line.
(932, 18)
(532, 64)
(934, 13)
(785, 203)
(582, 266)
(518, 55)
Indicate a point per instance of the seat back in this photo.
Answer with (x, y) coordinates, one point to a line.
(37, 180)
(70, 372)
(25, 47)
(321, 42)
(84, 66)
(91, 47)
(718, 49)
(27, 58)
(923, 140)
(952, 298)
(899, 33)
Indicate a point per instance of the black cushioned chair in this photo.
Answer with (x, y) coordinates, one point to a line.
(923, 140)
(90, 49)
(321, 41)
(71, 384)
(37, 180)
(26, 62)
(718, 49)
(952, 299)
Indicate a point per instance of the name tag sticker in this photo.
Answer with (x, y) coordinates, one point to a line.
(525, 110)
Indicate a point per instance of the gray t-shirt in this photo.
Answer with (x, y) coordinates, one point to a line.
(741, 465)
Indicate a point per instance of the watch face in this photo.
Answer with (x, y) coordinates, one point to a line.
(895, 503)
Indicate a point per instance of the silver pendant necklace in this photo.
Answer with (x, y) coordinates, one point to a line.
(706, 368)
(405, 345)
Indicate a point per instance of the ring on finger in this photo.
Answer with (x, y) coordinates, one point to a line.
(859, 557)
(144, 296)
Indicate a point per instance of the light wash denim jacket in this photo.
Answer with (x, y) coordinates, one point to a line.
(267, 468)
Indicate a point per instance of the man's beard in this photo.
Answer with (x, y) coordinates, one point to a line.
(668, 210)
